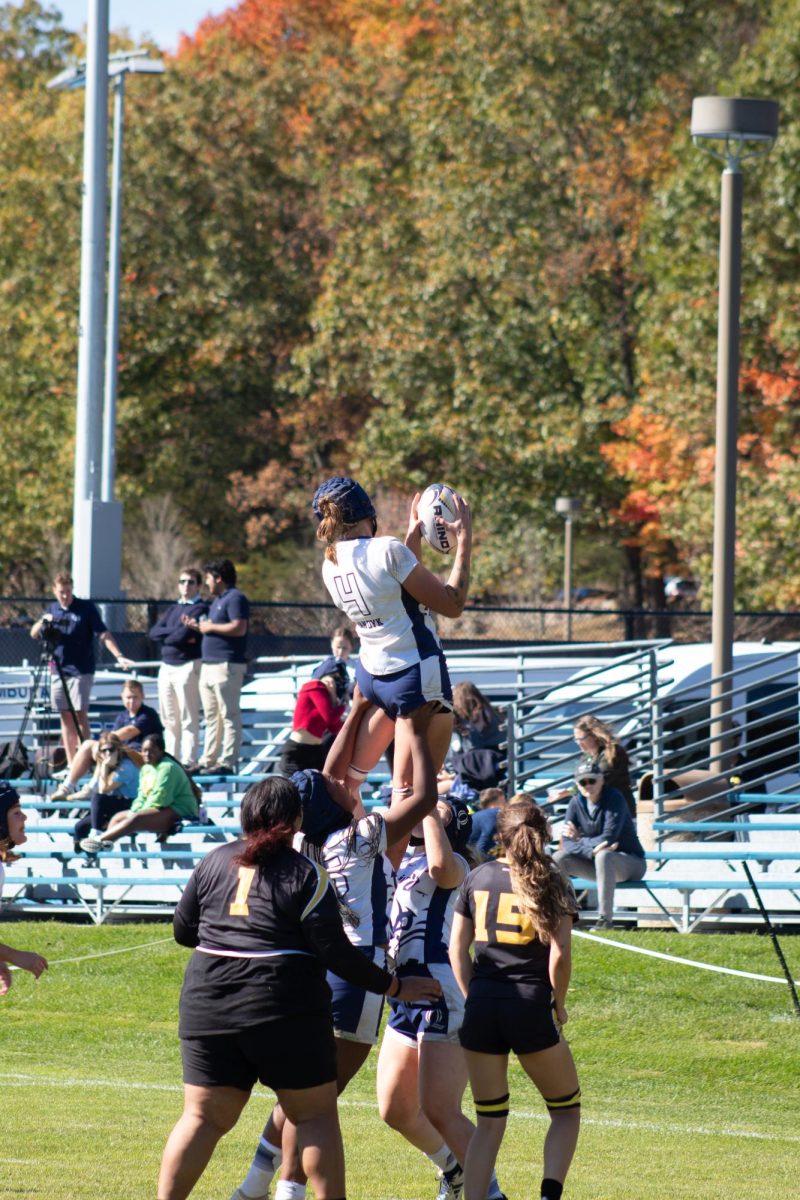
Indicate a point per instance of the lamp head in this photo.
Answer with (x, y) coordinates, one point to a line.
(567, 506)
(734, 127)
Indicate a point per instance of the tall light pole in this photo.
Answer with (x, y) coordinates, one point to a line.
(731, 129)
(568, 507)
(97, 519)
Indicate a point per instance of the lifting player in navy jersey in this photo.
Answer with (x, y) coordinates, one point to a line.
(351, 848)
(517, 911)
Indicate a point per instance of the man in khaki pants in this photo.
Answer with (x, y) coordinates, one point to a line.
(224, 663)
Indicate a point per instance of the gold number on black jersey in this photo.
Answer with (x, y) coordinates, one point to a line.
(509, 925)
(240, 907)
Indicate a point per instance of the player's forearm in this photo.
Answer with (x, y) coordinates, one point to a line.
(458, 581)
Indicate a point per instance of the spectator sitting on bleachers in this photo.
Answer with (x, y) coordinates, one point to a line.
(599, 839)
(477, 722)
(484, 821)
(166, 797)
(131, 726)
(112, 788)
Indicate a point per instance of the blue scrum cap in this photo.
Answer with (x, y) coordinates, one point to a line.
(354, 503)
(459, 827)
(336, 668)
(9, 798)
(321, 815)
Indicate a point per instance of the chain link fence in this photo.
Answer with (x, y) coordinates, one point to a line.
(278, 627)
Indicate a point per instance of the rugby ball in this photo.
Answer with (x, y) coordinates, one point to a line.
(437, 502)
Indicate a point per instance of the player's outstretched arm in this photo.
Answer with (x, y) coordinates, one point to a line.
(447, 599)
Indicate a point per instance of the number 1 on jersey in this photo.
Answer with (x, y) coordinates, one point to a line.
(240, 907)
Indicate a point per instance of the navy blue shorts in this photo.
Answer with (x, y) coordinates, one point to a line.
(405, 691)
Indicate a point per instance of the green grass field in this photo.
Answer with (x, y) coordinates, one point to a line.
(690, 1079)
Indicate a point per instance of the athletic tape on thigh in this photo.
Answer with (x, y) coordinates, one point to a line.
(354, 772)
(399, 792)
(493, 1108)
(573, 1101)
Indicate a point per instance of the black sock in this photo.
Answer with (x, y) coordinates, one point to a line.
(551, 1189)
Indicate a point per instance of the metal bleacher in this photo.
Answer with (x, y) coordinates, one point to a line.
(699, 823)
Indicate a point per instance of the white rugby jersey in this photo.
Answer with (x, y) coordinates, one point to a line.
(422, 912)
(366, 583)
(357, 870)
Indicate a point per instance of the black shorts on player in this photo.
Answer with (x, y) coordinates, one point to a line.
(509, 1024)
(292, 1052)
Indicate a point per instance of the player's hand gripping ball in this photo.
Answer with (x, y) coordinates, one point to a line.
(437, 504)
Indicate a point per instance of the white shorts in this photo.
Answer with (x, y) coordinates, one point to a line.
(356, 1012)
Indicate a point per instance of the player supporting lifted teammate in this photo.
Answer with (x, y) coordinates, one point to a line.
(351, 848)
(518, 911)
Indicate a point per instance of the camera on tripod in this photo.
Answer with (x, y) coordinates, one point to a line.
(51, 636)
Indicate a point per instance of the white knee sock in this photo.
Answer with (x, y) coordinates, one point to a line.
(255, 1185)
(443, 1158)
(287, 1189)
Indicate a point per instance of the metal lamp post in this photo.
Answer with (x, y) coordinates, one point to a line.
(731, 129)
(97, 519)
(568, 507)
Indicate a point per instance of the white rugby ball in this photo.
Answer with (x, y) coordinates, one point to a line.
(437, 501)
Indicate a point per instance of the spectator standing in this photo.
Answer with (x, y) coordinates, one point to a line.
(598, 743)
(165, 797)
(343, 642)
(179, 674)
(131, 726)
(599, 840)
(224, 662)
(75, 622)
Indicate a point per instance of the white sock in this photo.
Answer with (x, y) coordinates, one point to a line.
(443, 1158)
(287, 1189)
(255, 1185)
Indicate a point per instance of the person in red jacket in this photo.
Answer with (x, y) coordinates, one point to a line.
(318, 717)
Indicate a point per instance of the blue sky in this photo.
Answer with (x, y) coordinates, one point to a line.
(163, 20)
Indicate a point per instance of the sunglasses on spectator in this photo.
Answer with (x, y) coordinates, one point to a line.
(588, 780)
(106, 750)
(183, 580)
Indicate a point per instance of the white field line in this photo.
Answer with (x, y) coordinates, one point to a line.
(16, 1080)
(686, 962)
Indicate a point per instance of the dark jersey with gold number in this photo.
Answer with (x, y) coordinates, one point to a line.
(507, 950)
(262, 938)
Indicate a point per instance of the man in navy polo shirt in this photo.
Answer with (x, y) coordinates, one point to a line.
(224, 663)
(76, 622)
(132, 726)
(179, 674)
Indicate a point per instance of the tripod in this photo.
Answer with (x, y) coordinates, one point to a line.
(19, 754)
